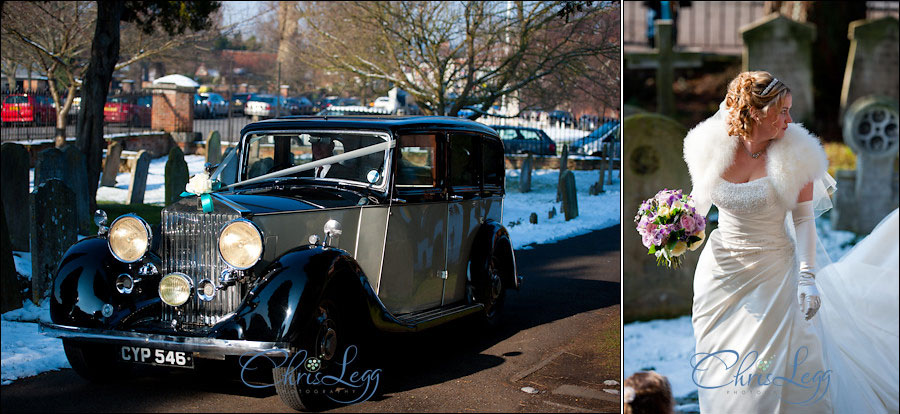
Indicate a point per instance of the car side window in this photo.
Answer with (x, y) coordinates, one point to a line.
(418, 161)
(492, 164)
(507, 134)
(465, 162)
(531, 135)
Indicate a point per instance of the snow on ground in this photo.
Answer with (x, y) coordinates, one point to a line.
(666, 345)
(595, 212)
(27, 353)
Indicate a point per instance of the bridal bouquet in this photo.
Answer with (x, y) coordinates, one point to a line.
(669, 225)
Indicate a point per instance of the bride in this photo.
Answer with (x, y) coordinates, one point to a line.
(759, 346)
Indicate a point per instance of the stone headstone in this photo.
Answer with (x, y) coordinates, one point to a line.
(532, 218)
(139, 178)
(569, 196)
(652, 160)
(525, 174)
(176, 175)
(552, 213)
(870, 192)
(53, 230)
(113, 159)
(49, 164)
(665, 96)
(563, 167)
(872, 62)
(783, 47)
(214, 148)
(76, 179)
(9, 284)
(14, 168)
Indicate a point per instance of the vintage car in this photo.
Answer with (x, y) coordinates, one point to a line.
(314, 230)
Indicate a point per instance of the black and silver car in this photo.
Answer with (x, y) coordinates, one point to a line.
(523, 140)
(313, 231)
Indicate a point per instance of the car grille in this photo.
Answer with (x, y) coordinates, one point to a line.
(189, 245)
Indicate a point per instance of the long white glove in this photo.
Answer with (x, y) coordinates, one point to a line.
(805, 226)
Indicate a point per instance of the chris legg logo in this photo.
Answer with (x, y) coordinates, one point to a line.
(362, 385)
(816, 383)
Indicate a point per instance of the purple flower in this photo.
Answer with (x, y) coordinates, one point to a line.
(687, 223)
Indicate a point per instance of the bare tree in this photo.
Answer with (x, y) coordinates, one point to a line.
(54, 36)
(450, 55)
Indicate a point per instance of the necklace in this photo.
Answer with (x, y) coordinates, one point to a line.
(756, 155)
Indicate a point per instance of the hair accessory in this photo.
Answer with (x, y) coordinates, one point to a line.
(628, 395)
(768, 88)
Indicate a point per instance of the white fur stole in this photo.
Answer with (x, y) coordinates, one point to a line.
(793, 161)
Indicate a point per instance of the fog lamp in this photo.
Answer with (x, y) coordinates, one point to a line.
(175, 289)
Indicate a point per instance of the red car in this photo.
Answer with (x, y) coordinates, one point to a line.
(133, 110)
(28, 108)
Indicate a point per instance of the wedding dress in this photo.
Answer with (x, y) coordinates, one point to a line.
(755, 352)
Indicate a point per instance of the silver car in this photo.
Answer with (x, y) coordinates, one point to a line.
(314, 232)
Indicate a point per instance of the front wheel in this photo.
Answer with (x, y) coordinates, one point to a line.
(95, 362)
(324, 340)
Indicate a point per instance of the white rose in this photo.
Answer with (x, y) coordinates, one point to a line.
(199, 184)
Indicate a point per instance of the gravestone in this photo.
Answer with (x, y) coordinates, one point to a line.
(139, 178)
(652, 160)
(563, 167)
(14, 168)
(49, 164)
(872, 62)
(113, 159)
(9, 284)
(533, 218)
(569, 196)
(870, 192)
(552, 213)
(53, 230)
(76, 179)
(783, 47)
(525, 175)
(176, 175)
(214, 148)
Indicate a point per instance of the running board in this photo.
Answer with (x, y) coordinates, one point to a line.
(424, 319)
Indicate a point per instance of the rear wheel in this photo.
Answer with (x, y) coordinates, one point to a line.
(95, 362)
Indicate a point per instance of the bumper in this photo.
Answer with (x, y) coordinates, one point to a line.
(204, 347)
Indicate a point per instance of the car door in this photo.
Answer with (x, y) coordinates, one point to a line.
(465, 209)
(414, 263)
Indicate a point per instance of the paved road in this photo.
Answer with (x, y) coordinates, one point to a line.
(561, 337)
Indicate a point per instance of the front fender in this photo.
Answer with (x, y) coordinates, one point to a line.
(280, 306)
(85, 281)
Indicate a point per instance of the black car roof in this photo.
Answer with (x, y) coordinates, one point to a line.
(386, 122)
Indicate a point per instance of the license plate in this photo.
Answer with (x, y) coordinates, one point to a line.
(109, 109)
(153, 356)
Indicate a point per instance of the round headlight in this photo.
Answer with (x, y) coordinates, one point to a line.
(129, 238)
(175, 289)
(240, 244)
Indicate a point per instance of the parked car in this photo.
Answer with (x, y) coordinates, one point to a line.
(304, 106)
(562, 118)
(522, 140)
(238, 101)
(218, 106)
(28, 108)
(129, 109)
(336, 110)
(401, 233)
(267, 106)
(202, 108)
(592, 144)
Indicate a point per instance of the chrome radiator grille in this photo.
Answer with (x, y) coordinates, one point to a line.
(189, 245)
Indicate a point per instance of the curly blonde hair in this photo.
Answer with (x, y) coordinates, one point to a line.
(746, 92)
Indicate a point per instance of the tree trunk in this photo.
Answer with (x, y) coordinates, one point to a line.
(104, 55)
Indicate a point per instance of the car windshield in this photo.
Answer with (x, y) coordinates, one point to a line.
(358, 157)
